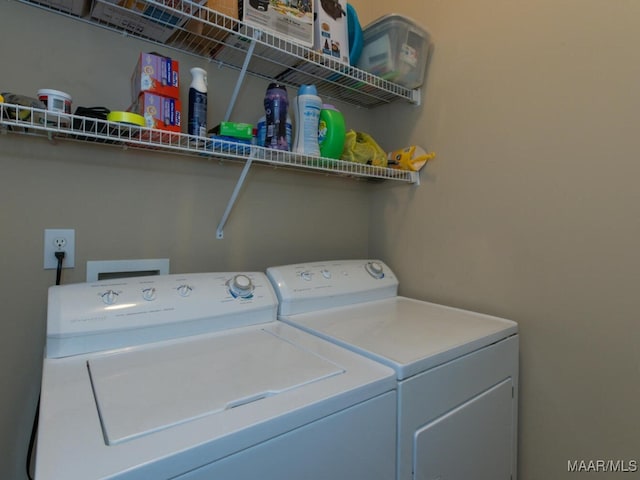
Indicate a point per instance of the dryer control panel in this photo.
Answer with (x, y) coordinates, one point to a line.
(314, 286)
(88, 317)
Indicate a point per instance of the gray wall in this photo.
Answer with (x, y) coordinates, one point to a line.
(127, 204)
(531, 209)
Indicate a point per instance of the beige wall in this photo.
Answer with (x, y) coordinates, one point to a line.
(531, 210)
(125, 204)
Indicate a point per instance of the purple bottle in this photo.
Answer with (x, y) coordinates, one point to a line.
(276, 104)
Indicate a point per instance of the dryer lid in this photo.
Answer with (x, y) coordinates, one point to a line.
(143, 391)
(408, 335)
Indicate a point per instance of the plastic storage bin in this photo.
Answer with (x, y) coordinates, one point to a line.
(396, 49)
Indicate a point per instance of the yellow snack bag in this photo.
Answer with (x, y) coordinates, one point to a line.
(360, 147)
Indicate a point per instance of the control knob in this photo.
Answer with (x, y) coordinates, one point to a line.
(184, 290)
(149, 294)
(109, 297)
(240, 286)
(374, 269)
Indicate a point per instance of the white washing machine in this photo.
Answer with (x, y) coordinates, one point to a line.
(457, 371)
(191, 377)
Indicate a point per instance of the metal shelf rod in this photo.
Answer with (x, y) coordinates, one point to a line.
(247, 166)
(232, 200)
(241, 76)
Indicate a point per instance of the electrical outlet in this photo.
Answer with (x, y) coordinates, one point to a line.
(59, 240)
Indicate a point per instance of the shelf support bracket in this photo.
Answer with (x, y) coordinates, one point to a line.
(234, 196)
(416, 97)
(243, 73)
(227, 116)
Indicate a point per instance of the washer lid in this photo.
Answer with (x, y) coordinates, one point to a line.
(409, 335)
(143, 391)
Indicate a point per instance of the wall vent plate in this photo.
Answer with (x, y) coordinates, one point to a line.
(107, 269)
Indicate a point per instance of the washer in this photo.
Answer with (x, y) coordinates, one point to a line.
(191, 377)
(456, 370)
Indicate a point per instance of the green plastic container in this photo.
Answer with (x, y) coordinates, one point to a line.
(331, 132)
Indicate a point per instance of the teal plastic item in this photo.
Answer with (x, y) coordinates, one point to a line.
(355, 35)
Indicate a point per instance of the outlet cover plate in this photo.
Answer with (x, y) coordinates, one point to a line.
(57, 239)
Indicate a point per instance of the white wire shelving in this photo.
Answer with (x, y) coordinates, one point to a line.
(22, 120)
(206, 33)
(35, 121)
(191, 28)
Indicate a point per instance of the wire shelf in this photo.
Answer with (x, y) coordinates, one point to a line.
(24, 120)
(194, 29)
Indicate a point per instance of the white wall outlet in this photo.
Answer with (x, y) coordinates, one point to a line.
(59, 240)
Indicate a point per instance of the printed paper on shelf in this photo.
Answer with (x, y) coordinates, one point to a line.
(290, 19)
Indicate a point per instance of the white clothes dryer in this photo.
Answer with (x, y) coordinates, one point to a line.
(457, 371)
(191, 377)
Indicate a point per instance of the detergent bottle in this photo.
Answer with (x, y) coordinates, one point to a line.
(331, 132)
(307, 112)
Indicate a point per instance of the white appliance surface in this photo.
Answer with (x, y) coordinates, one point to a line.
(457, 370)
(138, 393)
(185, 393)
(409, 335)
(354, 303)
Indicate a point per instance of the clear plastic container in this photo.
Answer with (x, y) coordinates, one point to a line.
(396, 49)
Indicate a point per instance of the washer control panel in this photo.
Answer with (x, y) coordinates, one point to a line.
(312, 286)
(145, 309)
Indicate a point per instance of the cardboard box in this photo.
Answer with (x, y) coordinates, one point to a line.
(242, 131)
(214, 37)
(159, 112)
(140, 18)
(155, 74)
(74, 7)
(288, 19)
(230, 8)
(331, 35)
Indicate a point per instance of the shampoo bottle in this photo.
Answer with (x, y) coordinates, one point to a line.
(331, 132)
(307, 112)
(198, 102)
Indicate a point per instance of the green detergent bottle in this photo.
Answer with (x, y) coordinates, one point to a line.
(331, 132)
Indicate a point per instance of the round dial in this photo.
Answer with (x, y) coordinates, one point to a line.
(184, 290)
(149, 294)
(240, 286)
(306, 275)
(375, 269)
(109, 297)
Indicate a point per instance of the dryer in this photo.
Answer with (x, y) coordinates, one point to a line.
(456, 370)
(191, 377)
